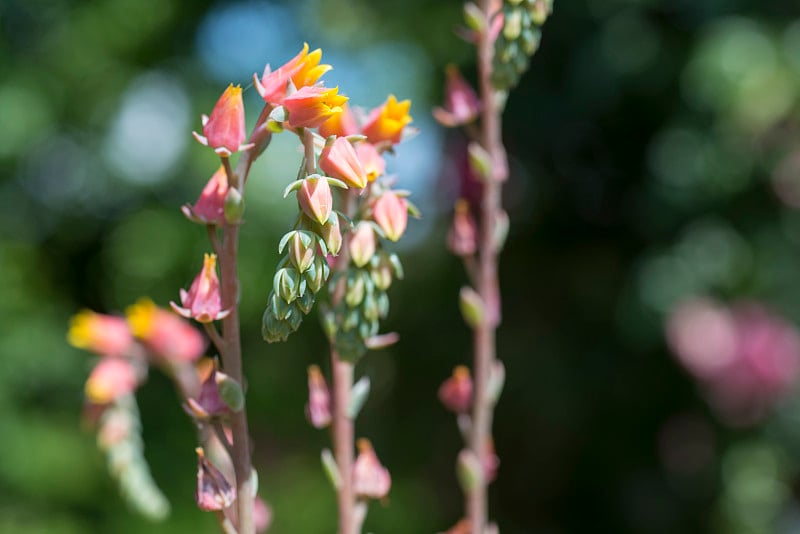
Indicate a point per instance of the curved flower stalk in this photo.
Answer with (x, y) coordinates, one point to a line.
(506, 33)
(348, 213)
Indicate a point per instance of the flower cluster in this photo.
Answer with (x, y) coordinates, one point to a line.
(519, 39)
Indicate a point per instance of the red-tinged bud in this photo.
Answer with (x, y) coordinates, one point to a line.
(340, 160)
(301, 250)
(372, 161)
(210, 207)
(311, 106)
(209, 403)
(165, 334)
(491, 462)
(203, 302)
(103, 334)
(318, 409)
(331, 233)
(224, 130)
(456, 392)
(262, 515)
(462, 239)
(302, 70)
(370, 478)
(110, 379)
(315, 199)
(387, 121)
(461, 104)
(362, 244)
(341, 125)
(391, 213)
(213, 491)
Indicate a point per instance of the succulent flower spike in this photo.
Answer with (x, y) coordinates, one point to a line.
(224, 130)
(110, 379)
(341, 125)
(311, 106)
(165, 334)
(461, 104)
(210, 207)
(456, 392)
(318, 409)
(387, 121)
(203, 302)
(391, 213)
(302, 70)
(213, 491)
(370, 479)
(340, 160)
(102, 334)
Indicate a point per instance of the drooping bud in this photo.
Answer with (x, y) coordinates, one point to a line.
(224, 130)
(372, 161)
(234, 206)
(203, 302)
(381, 272)
(208, 403)
(362, 244)
(472, 308)
(370, 478)
(387, 121)
(462, 239)
(340, 160)
(210, 207)
(213, 491)
(390, 211)
(318, 409)
(315, 199)
(461, 104)
(331, 233)
(318, 274)
(287, 284)
(356, 288)
(110, 379)
(103, 334)
(164, 333)
(301, 250)
(311, 106)
(456, 392)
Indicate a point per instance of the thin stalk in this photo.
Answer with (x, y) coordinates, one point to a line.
(488, 283)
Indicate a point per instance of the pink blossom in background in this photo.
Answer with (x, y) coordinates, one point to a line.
(745, 357)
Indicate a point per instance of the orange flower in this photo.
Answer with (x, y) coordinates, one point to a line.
(224, 130)
(386, 122)
(311, 106)
(302, 70)
(341, 125)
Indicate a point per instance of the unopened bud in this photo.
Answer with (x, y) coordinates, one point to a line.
(287, 284)
(213, 491)
(331, 233)
(513, 24)
(472, 308)
(370, 478)
(315, 199)
(456, 392)
(462, 239)
(234, 206)
(473, 17)
(362, 244)
(356, 289)
(480, 161)
(230, 391)
(317, 275)
(358, 396)
(318, 408)
(301, 250)
(469, 471)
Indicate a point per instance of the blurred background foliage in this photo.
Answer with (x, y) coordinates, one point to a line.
(655, 153)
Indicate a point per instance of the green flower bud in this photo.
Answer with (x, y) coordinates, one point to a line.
(287, 284)
(233, 208)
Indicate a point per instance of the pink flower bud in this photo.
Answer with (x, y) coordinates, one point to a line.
(370, 478)
(103, 334)
(165, 334)
(462, 239)
(110, 379)
(210, 207)
(208, 403)
(203, 302)
(213, 491)
(341, 125)
(362, 244)
(318, 409)
(373, 163)
(340, 160)
(456, 392)
(224, 130)
(461, 104)
(302, 70)
(391, 213)
(262, 515)
(491, 462)
(315, 199)
(311, 106)
(387, 121)
(331, 233)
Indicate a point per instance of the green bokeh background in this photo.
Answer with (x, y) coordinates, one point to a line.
(645, 144)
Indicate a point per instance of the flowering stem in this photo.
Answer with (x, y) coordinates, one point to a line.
(488, 283)
(342, 385)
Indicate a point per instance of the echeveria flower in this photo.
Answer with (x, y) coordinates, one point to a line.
(203, 302)
(224, 130)
(387, 121)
